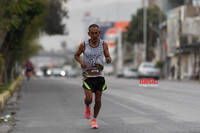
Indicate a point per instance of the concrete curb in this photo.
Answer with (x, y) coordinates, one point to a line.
(7, 94)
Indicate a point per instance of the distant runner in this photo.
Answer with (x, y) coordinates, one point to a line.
(29, 68)
(92, 66)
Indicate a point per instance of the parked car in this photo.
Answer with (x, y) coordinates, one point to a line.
(120, 73)
(39, 72)
(130, 73)
(108, 69)
(148, 70)
(56, 71)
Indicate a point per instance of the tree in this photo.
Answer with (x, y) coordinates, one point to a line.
(64, 45)
(56, 13)
(175, 3)
(23, 21)
(134, 33)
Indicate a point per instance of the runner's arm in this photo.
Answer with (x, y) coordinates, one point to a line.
(106, 53)
(78, 53)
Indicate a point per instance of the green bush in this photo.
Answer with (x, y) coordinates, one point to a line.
(159, 64)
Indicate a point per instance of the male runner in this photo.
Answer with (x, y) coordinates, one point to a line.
(29, 69)
(93, 51)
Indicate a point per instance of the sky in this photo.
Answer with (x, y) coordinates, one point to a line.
(103, 10)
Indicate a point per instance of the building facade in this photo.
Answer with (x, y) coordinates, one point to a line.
(183, 41)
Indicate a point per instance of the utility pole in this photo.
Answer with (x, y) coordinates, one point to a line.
(179, 49)
(161, 43)
(119, 52)
(145, 29)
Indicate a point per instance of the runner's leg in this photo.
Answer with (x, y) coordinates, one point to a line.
(88, 101)
(97, 105)
(88, 97)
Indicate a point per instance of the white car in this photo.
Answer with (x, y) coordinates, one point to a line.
(108, 69)
(56, 71)
(39, 72)
(148, 70)
(130, 73)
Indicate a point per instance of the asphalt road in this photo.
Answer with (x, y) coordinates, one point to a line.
(55, 105)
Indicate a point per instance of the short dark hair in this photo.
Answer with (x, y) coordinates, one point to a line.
(93, 25)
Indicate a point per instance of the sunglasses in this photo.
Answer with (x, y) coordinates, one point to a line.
(94, 33)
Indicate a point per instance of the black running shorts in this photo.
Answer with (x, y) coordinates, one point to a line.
(94, 83)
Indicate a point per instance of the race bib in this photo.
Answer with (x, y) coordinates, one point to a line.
(93, 71)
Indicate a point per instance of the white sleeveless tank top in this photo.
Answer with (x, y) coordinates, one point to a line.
(93, 55)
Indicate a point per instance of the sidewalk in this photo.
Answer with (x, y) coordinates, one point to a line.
(6, 96)
(182, 80)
